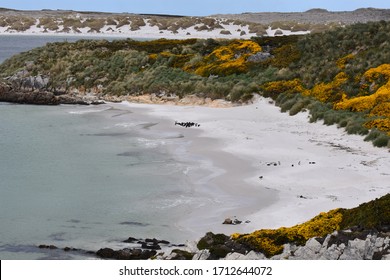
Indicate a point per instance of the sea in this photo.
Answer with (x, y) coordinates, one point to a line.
(86, 177)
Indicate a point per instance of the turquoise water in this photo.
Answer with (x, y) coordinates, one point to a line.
(86, 177)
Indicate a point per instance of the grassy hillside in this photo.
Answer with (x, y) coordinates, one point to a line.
(341, 76)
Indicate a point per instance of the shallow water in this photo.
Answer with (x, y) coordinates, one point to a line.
(87, 177)
(84, 177)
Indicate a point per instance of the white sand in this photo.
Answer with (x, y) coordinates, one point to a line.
(235, 145)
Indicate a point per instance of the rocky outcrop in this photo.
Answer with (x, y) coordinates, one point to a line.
(34, 90)
(348, 244)
(216, 246)
(126, 254)
(259, 57)
(22, 81)
(8, 94)
(143, 249)
(340, 245)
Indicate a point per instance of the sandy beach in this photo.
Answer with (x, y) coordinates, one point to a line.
(259, 165)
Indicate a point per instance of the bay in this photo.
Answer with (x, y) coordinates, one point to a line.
(85, 177)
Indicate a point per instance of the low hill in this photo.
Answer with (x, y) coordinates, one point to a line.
(341, 76)
(163, 26)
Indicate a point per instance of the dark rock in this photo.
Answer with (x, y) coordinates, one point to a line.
(147, 254)
(219, 251)
(131, 240)
(99, 102)
(219, 245)
(71, 99)
(182, 255)
(211, 239)
(126, 254)
(227, 221)
(178, 245)
(156, 241)
(278, 32)
(51, 247)
(38, 98)
(149, 240)
(153, 246)
(106, 253)
(225, 32)
(320, 239)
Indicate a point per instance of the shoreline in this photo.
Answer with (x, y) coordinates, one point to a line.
(234, 146)
(214, 175)
(318, 167)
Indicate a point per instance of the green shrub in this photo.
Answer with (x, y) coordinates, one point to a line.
(382, 140)
(356, 126)
(374, 134)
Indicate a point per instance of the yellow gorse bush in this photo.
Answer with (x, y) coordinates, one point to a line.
(287, 86)
(374, 73)
(271, 241)
(377, 104)
(341, 62)
(328, 91)
(322, 91)
(226, 60)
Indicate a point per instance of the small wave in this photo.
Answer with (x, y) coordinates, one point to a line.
(170, 203)
(148, 143)
(89, 111)
(125, 125)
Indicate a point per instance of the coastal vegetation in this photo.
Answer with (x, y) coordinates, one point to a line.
(370, 216)
(341, 76)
